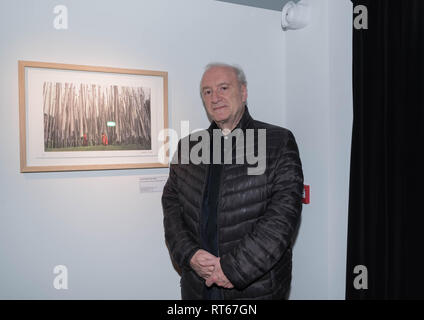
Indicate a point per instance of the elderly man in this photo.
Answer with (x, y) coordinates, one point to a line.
(231, 232)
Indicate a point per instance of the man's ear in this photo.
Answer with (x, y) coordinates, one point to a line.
(244, 92)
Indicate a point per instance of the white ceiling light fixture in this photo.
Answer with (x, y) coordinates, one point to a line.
(296, 15)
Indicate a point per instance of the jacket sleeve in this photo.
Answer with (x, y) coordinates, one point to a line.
(273, 232)
(180, 243)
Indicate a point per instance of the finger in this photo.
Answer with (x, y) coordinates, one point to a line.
(208, 270)
(208, 256)
(229, 286)
(207, 261)
(207, 264)
(206, 275)
(212, 279)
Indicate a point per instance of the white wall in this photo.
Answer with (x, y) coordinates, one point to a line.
(97, 223)
(319, 112)
(341, 118)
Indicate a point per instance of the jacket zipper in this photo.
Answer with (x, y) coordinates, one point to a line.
(218, 209)
(202, 199)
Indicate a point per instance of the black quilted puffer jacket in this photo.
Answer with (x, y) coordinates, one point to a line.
(257, 217)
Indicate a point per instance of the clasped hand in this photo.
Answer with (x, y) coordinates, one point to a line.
(209, 268)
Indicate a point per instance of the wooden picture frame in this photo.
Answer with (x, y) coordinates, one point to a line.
(76, 117)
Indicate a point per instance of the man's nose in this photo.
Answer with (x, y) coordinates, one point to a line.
(215, 96)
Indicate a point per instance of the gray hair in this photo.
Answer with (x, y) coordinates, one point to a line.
(241, 77)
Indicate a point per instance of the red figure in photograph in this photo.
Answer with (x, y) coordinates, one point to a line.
(104, 139)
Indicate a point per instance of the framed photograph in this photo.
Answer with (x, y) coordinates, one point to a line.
(75, 117)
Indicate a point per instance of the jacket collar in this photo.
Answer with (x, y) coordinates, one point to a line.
(245, 122)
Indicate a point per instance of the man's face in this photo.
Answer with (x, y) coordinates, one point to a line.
(223, 96)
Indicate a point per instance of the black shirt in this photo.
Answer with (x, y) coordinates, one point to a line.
(209, 233)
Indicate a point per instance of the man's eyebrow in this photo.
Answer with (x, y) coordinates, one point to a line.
(219, 84)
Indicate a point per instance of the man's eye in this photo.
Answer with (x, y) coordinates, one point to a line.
(206, 92)
(224, 88)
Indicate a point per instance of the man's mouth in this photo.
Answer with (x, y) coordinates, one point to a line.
(218, 108)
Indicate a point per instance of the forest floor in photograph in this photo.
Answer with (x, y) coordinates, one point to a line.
(100, 148)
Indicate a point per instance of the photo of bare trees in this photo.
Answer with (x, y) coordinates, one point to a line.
(90, 117)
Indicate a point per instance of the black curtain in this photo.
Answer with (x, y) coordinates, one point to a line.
(386, 209)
